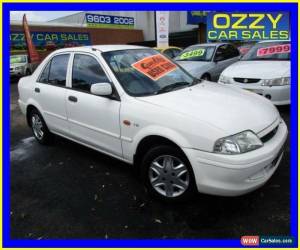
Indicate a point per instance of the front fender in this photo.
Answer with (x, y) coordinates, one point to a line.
(130, 147)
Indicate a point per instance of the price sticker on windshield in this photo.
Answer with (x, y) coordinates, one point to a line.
(192, 53)
(155, 67)
(277, 49)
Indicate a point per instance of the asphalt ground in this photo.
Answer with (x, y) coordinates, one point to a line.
(67, 191)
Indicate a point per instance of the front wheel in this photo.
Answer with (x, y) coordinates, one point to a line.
(39, 127)
(167, 174)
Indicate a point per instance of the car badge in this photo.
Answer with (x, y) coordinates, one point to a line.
(245, 80)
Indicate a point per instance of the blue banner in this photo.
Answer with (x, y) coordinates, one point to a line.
(196, 17)
(252, 26)
(44, 41)
(106, 21)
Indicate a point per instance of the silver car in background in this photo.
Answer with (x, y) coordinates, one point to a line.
(208, 60)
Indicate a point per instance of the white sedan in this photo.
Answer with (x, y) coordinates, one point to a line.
(264, 70)
(136, 105)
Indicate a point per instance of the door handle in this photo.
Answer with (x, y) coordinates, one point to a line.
(37, 90)
(72, 98)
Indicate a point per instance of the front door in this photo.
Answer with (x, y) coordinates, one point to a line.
(93, 120)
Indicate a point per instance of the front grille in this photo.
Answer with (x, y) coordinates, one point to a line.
(246, 80)
(269, 136)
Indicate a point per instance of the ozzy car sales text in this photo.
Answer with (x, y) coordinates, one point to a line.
(248, 26)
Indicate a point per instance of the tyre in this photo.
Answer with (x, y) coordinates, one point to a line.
(168, 174)
(206, 77)
(39, 128)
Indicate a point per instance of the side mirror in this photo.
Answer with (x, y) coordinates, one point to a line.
(102, 89)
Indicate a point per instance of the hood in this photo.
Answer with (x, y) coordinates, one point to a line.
(196, 68)
(227, 108)
(13, 65)
(258, 69)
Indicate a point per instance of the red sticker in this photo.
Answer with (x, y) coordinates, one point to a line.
(155, 67)
(276, 49)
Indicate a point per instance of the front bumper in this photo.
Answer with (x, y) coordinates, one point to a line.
(16, 73)
(279, 95)
(232, 175)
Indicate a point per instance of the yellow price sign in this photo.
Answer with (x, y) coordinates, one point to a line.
(192, 53)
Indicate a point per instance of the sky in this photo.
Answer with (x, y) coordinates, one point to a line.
(39, 16)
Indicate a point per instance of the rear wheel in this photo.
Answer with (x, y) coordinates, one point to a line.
(168, 174)
(39, 127)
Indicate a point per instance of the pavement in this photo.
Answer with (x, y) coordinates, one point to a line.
(67, 191)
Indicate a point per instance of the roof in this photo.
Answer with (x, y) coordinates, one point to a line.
(102, 48)
(271, 41)
(211, 44)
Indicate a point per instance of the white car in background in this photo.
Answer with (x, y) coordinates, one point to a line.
(265, 70)
(21, 66)
(136, 105)
(207, 61)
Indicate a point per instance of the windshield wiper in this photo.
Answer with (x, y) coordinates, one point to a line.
(196, 81)
(172, 87)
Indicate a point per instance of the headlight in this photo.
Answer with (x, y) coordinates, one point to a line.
(224, 79)
(239, 143)
(19, 68)
(276, 81)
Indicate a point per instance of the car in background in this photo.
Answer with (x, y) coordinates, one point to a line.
(169, 51)
(265, 70)
(20, 66)
(181, 133)
(207, 61)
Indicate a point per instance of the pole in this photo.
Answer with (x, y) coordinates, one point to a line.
(155, 28)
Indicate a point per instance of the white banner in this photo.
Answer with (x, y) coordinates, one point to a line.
(162, 29)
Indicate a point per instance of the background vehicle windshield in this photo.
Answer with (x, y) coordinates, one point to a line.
(17, 59)
(136, 82)
(268, 51)
(196, 53)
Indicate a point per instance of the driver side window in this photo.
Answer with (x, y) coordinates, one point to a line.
(221, 53)
(86, 71)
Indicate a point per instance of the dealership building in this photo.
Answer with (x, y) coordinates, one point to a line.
(108, 27)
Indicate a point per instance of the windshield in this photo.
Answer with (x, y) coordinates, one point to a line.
(144, 72)
(18, 59)
(269, 51)
(196, 53)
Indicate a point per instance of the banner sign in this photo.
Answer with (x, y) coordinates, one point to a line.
(33, 54)
(155, 67)
(106, 21)
(162, 29)
(196, 17)
(49, 40)
(248, 26)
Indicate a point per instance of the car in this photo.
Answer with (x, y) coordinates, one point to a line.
(169, 51)
(20, 66)
(182, 134)
(265, 70)
(208, 60)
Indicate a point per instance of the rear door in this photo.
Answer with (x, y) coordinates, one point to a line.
(50, 93)
(94, 120)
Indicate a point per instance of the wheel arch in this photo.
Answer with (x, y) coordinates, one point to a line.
(150, 141)
(206, 74)
(31, 105)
